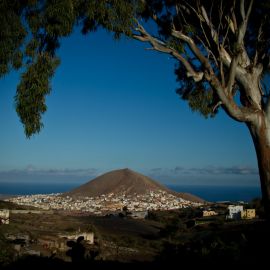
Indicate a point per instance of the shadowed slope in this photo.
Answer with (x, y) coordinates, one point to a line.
(122, 181)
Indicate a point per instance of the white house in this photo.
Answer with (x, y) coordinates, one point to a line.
(235, 211)
(4, 216)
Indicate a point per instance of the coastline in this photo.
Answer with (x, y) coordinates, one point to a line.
(208, 193)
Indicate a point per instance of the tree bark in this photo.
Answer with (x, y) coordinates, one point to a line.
(260, 132)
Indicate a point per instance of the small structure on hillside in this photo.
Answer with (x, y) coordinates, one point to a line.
(51, 242)
(88, 237)
(4, 216)
(235, 211)
(248, 214)
(20, 237)
(209, 213)
(139, 214)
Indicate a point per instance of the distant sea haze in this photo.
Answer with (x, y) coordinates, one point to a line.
(208, 193)
(221, 193)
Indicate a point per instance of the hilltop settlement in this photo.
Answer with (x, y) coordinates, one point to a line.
(110, 193)
(105, 203)
(121, 216)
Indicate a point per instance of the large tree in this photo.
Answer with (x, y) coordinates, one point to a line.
(221, 47)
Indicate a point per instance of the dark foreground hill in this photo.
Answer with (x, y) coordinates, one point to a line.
(123, 181)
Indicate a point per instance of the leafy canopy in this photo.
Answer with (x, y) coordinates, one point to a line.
(30, 34)
(217, 45)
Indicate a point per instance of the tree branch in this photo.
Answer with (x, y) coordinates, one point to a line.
(160, 46)
(242, 9)
(223, 90)
(233, 110)
(214, 33)
(232, 73)
(255, 60)
(239, 114)
(243, 26)
(204, 61)
(241, 33)
(226, 59)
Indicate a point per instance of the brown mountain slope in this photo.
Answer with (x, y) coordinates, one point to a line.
(123, 181)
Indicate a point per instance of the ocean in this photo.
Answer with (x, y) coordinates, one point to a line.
(221, 193)
(209, 193)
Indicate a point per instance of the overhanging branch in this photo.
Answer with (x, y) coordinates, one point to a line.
(160, 46)
(233, 110)
(241, 114)
(204, 61)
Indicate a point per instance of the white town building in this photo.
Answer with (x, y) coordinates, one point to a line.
(235, 211)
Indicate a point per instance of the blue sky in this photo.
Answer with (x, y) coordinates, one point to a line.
(114, 105)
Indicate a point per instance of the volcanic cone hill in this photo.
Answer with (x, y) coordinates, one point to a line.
(123, 181)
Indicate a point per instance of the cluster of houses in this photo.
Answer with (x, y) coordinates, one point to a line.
(238, 212)
(58, 243)
(105, 203)
(234, 212)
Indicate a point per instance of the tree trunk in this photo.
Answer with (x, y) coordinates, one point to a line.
(260, 132)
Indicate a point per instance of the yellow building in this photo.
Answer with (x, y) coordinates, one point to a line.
(209, 213)
(248, 214)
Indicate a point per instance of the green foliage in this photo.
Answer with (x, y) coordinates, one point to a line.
(200, 96)
(59, 17)
(200, 100)
(30, 36)
(31, 31)
(31, 48)
(12, 34)
(31, 92)
(175, 44)
(114, 15)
